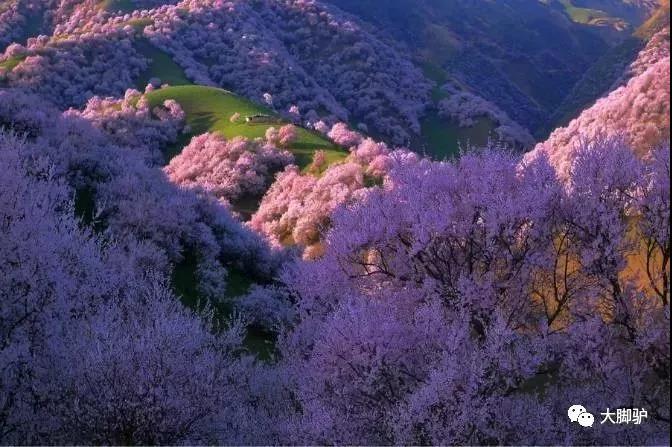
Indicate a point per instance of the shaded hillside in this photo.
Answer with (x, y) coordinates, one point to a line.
(20, 19)
(638, 111)
(524, 56)
(609, 70)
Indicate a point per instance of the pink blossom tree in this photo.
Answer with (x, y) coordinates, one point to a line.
(287, 135)
(342, 135)
(130, 121)
(228, 169)
(297, 207)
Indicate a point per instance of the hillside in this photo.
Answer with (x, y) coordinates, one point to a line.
(210, 109)
(103, 47)
(523, 81)
(524, 57)
(637, 111)
(127, 58)
(609, 70)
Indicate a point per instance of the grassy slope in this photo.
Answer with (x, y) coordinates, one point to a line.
(12, 62)
(584, 16)
(209, 109)
(161, 66)
(441, 138)
(593, 17)
(117, 5)
(184, 282)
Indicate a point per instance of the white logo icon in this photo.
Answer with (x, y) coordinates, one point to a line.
(586, 420)
(574, 412)
(578, 413)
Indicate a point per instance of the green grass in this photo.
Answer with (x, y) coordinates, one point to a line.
(209, 109)
(593, 17)
(185, 284)
(261, 343)
(118, 5)
(12, 62)
(441, 44)
(161, 66)
(438, 75)
(140, 24)
(584, 16)
(443, 139)
(440, 137)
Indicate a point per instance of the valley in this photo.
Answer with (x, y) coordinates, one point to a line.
(334, 222)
